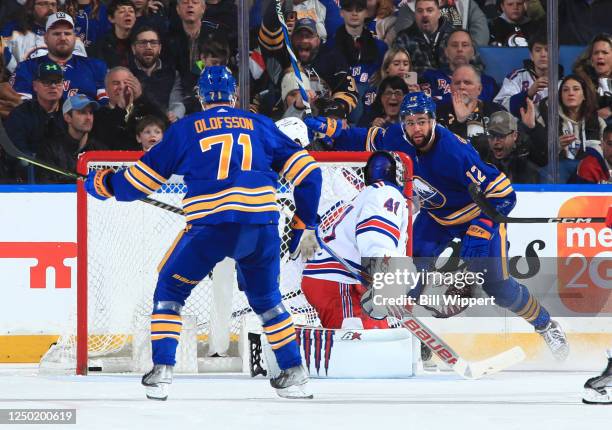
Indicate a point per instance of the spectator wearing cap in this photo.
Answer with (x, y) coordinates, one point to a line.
(506, 151)
(291, 97)
(114, 48)
(357, 46)
(425, 39)
(513, 27)
(63, 150)
(459, 50)
(328, 73)
(159, 79)
(81, 74)
(25, 38)
(39, 119)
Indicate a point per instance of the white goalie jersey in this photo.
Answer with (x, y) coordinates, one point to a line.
(373, 224)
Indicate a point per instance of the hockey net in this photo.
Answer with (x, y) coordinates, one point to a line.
(120, 246)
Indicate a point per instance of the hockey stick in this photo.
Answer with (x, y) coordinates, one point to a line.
(14, 152)
(292, 57)
(479, 198)
(467, 369)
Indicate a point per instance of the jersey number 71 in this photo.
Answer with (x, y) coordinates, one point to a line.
(227, 142)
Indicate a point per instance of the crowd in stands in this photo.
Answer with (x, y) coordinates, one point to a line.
(79, 75)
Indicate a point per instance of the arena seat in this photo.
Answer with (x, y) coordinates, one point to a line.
(501, 61)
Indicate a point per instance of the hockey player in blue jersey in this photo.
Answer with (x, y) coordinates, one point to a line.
(444, 166)
(229, 159)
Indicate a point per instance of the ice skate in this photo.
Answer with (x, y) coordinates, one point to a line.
(598, 390)
(427, 359)
(291, 383)
(157, 381)
(556, 340)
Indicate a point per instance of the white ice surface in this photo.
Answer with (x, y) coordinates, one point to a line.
(510, 400)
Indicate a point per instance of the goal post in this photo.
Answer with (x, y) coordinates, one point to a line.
(120, 245)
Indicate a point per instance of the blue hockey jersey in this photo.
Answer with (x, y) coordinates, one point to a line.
(82, 75)
(231, 161)
(441, 175)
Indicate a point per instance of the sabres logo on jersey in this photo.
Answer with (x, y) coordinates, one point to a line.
(429, 196)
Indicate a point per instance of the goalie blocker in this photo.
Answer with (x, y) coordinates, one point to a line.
(344, 353)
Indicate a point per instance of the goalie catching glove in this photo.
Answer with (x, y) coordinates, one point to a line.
(303, 239)
(98, 184)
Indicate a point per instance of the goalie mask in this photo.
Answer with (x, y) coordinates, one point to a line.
(295, 129)
(385, 166)
(217, 85)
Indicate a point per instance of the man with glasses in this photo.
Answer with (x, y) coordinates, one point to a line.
(81, 74)
(38, 119)
(159, 79)
(24, 40)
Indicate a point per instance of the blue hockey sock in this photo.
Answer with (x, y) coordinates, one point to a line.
(517, 298)
(165, 333)
(281, 337)
(530, 309)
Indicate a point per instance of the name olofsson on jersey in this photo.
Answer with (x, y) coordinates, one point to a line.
(215, 123)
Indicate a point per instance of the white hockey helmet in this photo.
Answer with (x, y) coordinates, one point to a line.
(295, 129)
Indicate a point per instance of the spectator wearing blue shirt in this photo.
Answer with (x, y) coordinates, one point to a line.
(81, 74)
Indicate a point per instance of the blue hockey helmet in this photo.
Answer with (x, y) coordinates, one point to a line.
(217, 85)
(385, 166)
(415, 103)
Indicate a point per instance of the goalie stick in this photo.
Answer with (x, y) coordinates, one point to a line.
(15, 152)
(479, 198)
(467, 369)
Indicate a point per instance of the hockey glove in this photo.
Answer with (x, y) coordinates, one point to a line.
(377, 312)
(98, 184)
(477, 239)
(327, 126)
(303, 240)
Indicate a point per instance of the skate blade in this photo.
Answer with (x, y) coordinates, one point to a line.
(592, 397)
(295, 392)
(157, 393)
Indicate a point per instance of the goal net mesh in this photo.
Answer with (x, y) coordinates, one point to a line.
(127, 241)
